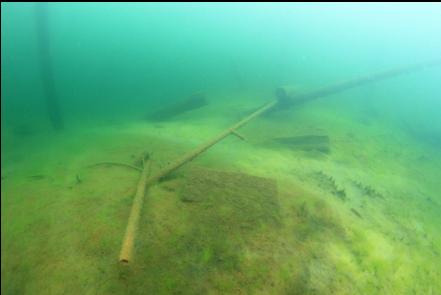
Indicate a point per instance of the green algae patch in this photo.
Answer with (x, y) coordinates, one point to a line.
(197, 236)
(216, 232)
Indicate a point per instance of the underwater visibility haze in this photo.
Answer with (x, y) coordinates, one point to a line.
(217, 148)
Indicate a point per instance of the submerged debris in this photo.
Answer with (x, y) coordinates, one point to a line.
(308, 143)
(195, 101)
(250, 198)
(139, 161)
(78, 179)
(37, 177)
(23, 130)
(212, 239)
(356, 213)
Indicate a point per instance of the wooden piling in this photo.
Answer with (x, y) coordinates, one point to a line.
(44, 41)
(287, 99)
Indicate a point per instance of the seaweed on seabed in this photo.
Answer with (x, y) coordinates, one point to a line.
(225, 213)
(251, 199)
(367, 190)
(327, 183)
(314, 223)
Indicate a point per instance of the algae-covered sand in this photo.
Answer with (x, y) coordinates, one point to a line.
(246, 217)
(337, 195)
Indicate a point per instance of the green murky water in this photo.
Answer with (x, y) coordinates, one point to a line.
(337, 195)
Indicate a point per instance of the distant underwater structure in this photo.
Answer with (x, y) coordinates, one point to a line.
(47, 74)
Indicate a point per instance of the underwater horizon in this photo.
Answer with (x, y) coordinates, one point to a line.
(220, 148)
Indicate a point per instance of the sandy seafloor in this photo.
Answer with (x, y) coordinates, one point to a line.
(61, 235)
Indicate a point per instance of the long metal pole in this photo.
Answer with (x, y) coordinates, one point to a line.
(129, 238)
(132, 226)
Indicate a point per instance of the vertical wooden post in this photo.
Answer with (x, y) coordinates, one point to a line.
(43, 39)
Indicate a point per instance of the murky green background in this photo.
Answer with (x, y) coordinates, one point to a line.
(360, 216)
